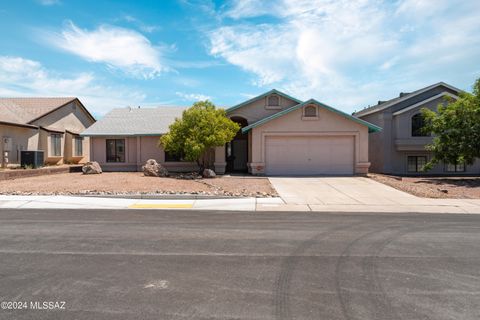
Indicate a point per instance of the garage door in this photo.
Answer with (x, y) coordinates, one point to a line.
(305, 155)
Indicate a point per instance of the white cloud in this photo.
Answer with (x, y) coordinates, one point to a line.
(140, 24)
(252, 8)
(253, 48)
(119, 48)
(193, 96)
(337, 50)
(24, 77)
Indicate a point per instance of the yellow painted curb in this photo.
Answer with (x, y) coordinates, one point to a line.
(160, 205)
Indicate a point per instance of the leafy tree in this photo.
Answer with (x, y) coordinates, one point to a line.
(456, 129)
(201, 128)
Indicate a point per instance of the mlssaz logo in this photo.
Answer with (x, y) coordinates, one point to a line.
(47, 305)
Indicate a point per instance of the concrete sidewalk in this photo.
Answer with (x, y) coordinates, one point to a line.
(239, 204)
(72, 202)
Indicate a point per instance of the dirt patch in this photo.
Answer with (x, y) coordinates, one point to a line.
(136, 183)
(434, 187)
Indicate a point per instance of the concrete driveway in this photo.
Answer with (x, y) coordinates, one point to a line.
(357, 194)
(337, 190)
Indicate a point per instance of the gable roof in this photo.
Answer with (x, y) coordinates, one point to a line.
(135, 122)
(263, 95)
(391, 102)
(23, 111)
(413, 106)
(371, 127)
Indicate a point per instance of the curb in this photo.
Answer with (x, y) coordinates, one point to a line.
(163, 196)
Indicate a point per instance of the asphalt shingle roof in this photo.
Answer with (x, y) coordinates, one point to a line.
(25, 110)
(135, 122)
(391, 102)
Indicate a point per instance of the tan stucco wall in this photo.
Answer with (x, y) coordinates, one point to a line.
(22, 139)
(70, 117)
(69, 151)
(328, 123)
(136, 148)
(258, 110)
(49, 157)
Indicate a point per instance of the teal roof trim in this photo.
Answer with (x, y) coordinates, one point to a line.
(371, 127)
(263, 95)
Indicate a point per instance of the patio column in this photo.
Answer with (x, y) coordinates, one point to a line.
(139, 152)
(220, 162)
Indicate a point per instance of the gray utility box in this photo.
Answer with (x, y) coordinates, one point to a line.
(32, 159)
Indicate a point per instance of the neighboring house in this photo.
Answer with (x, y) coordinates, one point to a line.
(48, 124)
(400, 147)
(280, 135)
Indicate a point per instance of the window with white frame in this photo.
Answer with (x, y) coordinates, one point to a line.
(56, 141)
(78, 146)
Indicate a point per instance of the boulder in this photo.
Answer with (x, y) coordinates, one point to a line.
(208, 173)
(154, 169)
(91, 167)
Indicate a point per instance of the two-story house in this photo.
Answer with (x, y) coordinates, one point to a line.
(400, 147)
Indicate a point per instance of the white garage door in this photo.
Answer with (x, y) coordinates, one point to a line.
(305, 155)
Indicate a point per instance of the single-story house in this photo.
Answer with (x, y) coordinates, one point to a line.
(400, 147)
(280, 135)
(52, 125)
(125, 138)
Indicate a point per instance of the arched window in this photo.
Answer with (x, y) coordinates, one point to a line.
(310, 111)
(418, 123)
(273, 101)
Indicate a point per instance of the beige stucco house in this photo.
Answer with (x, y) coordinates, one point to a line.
(280, 135)
(51, 125)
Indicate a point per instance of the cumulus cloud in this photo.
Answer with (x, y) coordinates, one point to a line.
(24, 77)
(119, 48)
(193, 96)
(334, 49)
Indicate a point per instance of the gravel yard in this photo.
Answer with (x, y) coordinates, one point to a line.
(434, 187)
(136, 183)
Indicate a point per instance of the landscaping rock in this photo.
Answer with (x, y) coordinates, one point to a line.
(154, 169)
(208, 173)
(188, 176)
(91, 167)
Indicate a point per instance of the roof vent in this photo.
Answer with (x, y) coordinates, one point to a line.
(403, 94)
(380, 101)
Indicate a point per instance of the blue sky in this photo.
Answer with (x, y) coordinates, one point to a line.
(347, 54)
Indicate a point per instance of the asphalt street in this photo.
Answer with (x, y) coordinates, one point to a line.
(140, 264)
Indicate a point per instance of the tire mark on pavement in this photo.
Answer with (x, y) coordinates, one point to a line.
(281, 301)
(377, 294)
(343, 257)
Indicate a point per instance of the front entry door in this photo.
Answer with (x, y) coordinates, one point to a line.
(237, 155)
(240, 155)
